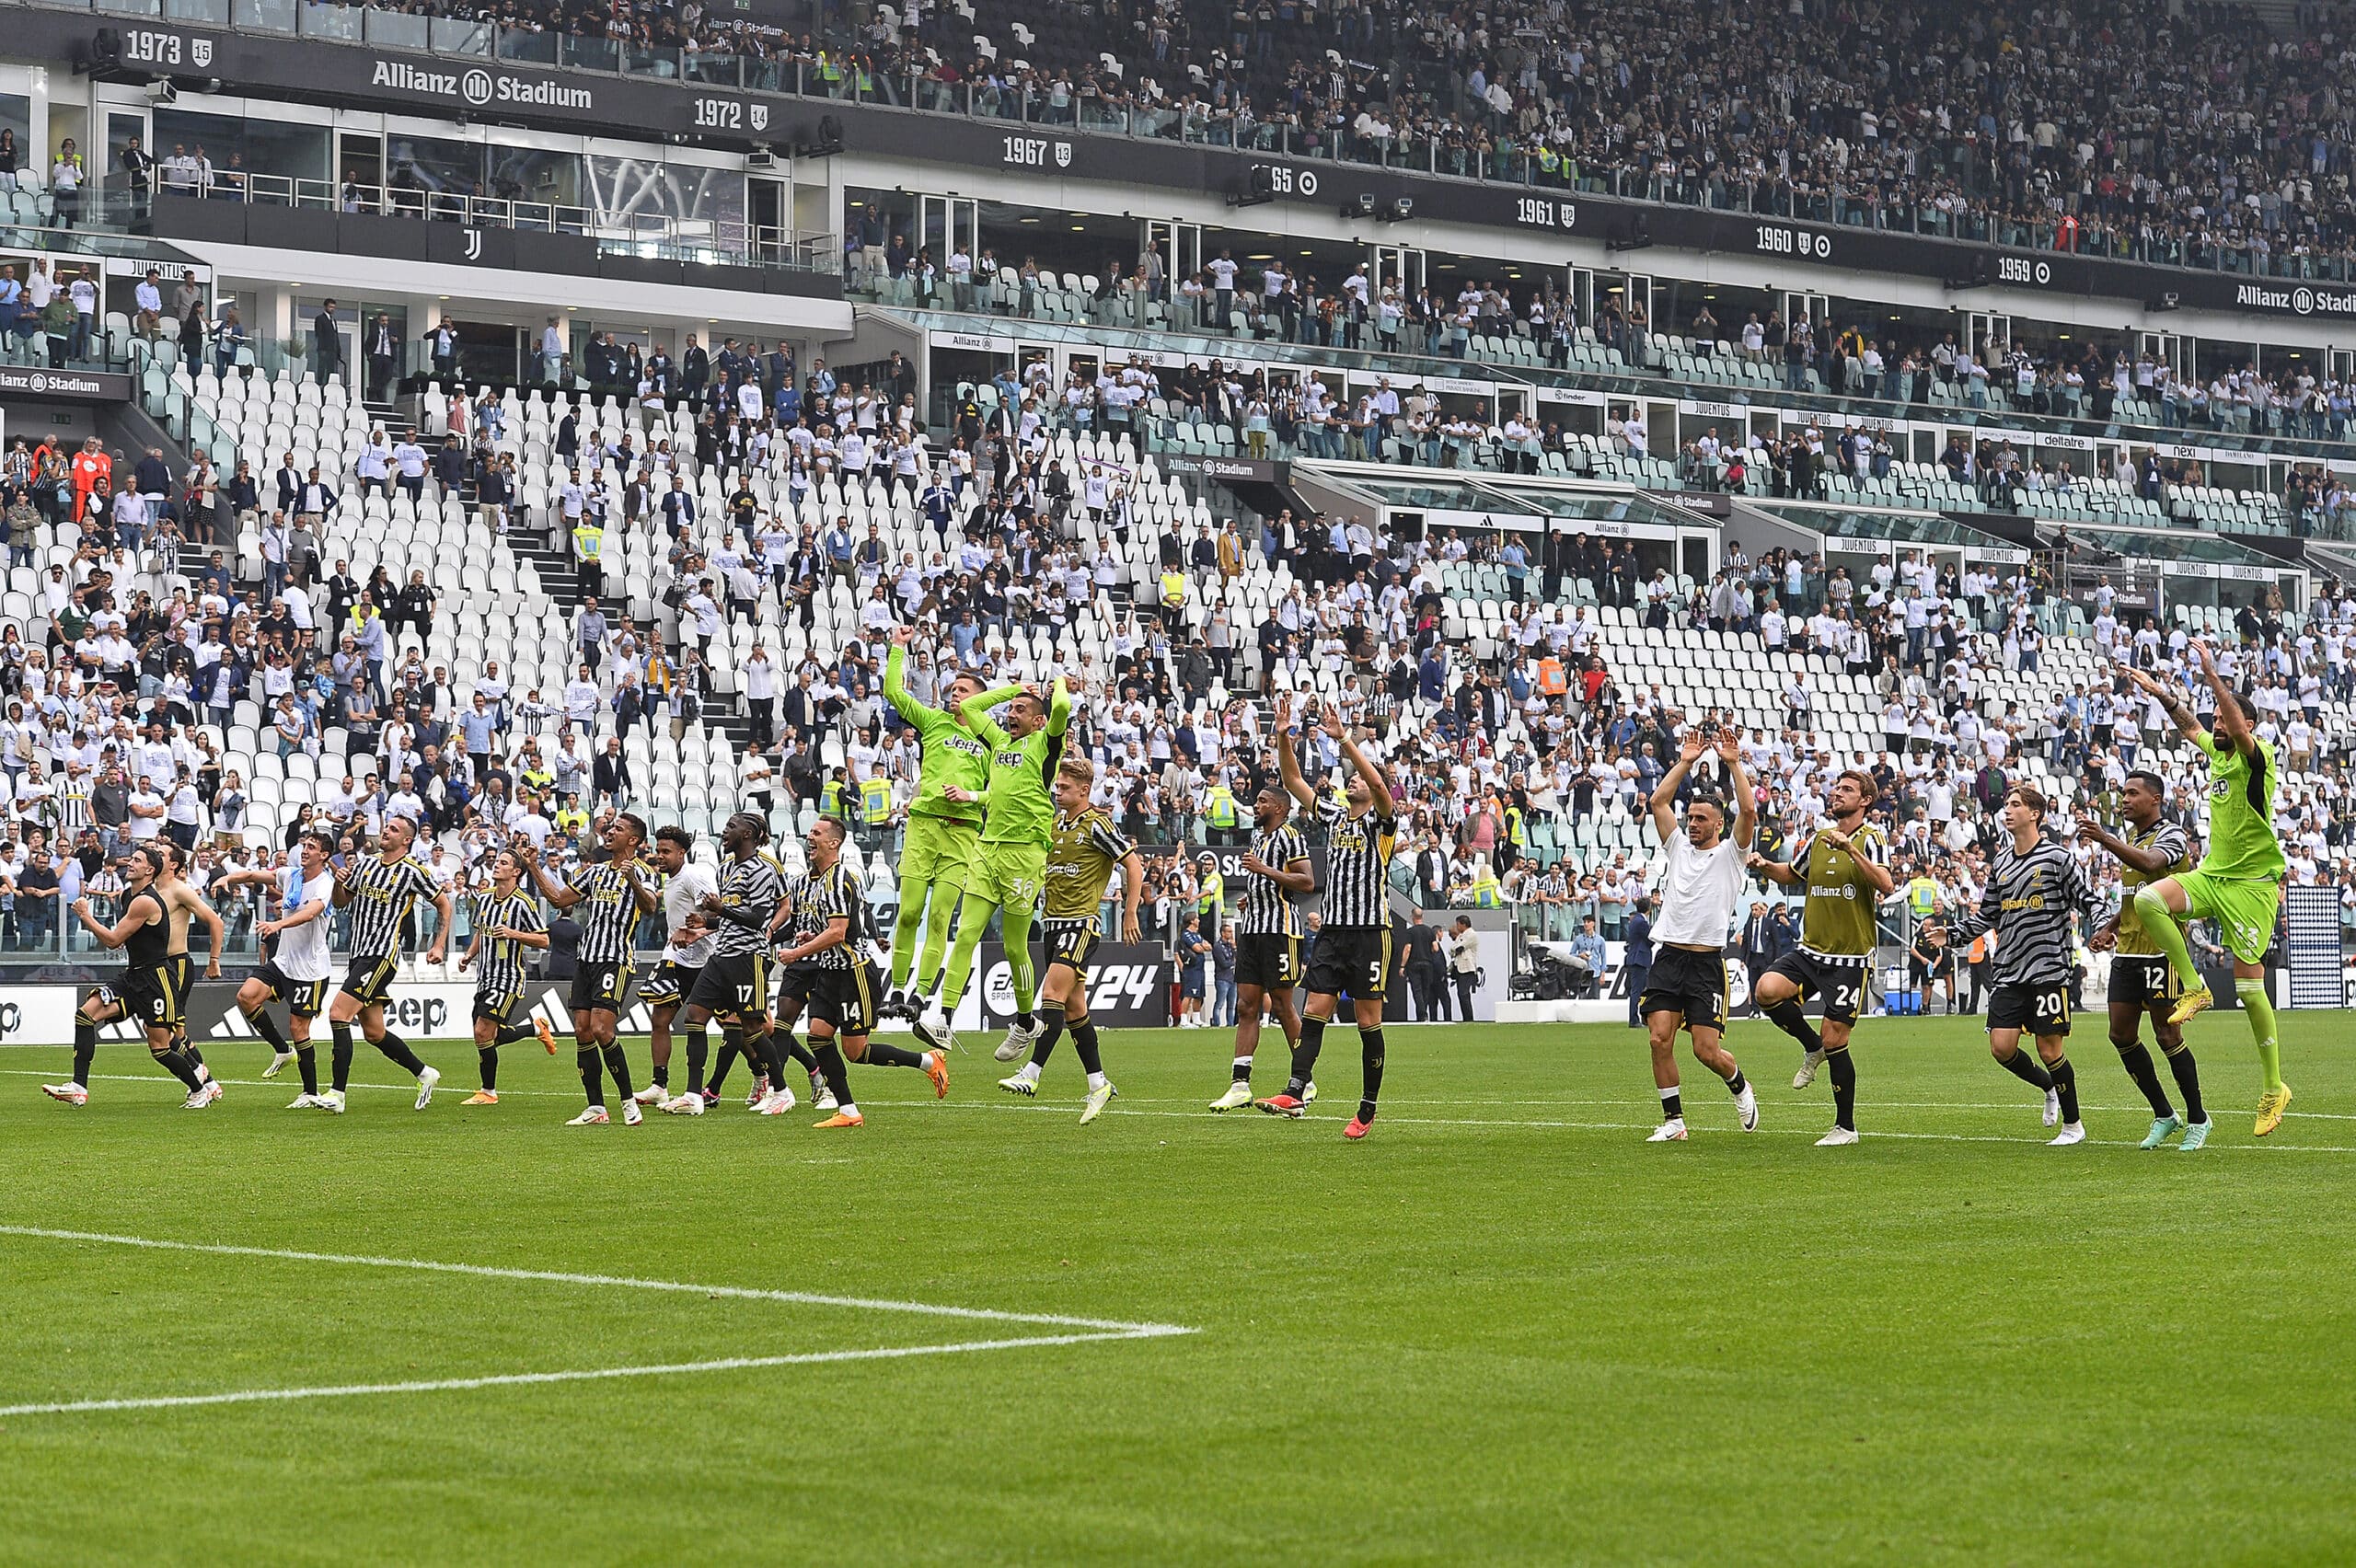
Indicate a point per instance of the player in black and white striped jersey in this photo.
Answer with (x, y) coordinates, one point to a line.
(506, 921)
(1354, 942)
(2032, 890)
(1276, 870)
(381, 890)
(608, 897)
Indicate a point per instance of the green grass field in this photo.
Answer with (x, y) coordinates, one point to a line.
(1504, 1329)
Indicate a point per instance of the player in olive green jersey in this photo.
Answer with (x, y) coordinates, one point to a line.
(944, 830)
(1020, 816)
(1841, 867)
(2238, 882)
(2150, 848)
(1085, 850)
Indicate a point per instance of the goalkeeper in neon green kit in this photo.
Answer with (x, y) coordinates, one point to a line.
(1012, 868)
(2239, 881)
(944, 834)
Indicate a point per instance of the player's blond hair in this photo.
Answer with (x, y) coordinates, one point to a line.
(1077, 768)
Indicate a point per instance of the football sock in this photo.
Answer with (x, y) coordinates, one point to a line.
(1083, 1044)
(732, 1045)
(2160, 925)
(177, 1064)
(973, 915)
(789, 1048)
(2066, 1083)
(1786, 1016)
(398, 1054)
(699, 1052)
(880, 1055)
(1018, 959)
(186, 1048)
(86, 1047)
(2139, 1067)
(1243, 1069)
(2024, 1066)
(838, 1073)
(2187, 1081)
(763, 1049)
(1371, 1059)
(662, 1075)
(1672, 1104)
(914, 906)
(1736, 1085)
(1026, 1020)
(487, 1060)
(618, 1064)
(1051, 1029)
(2259, 1011)
(1843, 1068)
(307, 1061)
(593, 1081)
(517, 1033)
(267, 1026)
(1304, 1056)
(339, 1057)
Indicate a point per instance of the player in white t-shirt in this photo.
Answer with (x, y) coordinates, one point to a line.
(298, 972)
(685, 884)
(1700, 888)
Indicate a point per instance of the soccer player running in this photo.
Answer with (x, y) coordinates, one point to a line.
(1841, 866)
(1701, 885)
(614, 897)
(944, 830)
(505, 921)
(687, 948)
(2239, 881)
(1276, 870)
(2031, 889)
(182, 905)
(1353, 950)
(735, 983)
(298, 969)
(381, 890)
(842, 1008)
(151, 990)
(2140, 980)
(1082, 857)
(1012, 860)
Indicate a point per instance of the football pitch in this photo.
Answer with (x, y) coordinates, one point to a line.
(1504, 1329)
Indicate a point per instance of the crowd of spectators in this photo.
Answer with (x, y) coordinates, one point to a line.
(2187, 135)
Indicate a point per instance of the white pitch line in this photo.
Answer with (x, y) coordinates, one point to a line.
(514, 1380)
(1132, 1106)
(620, 1282)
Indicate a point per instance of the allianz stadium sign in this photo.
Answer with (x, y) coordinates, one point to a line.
(2302, 300)
(479, 88)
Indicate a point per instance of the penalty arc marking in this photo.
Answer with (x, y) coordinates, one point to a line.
(1076, 1331)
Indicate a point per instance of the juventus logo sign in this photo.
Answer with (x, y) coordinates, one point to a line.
(474, 245)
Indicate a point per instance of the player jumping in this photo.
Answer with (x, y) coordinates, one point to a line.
(1012, 860)
(1085, 851)
(2239, 881)
(944, 829)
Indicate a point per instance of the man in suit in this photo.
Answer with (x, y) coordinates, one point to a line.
(1431, 875)
(327, 343)
(1764, 939)
(695, 369)
(1637, 959)
(679, 508)
(383, 351)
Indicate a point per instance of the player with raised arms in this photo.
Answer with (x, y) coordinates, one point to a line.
(944, 828)
(2140, 980)
(506, 921)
